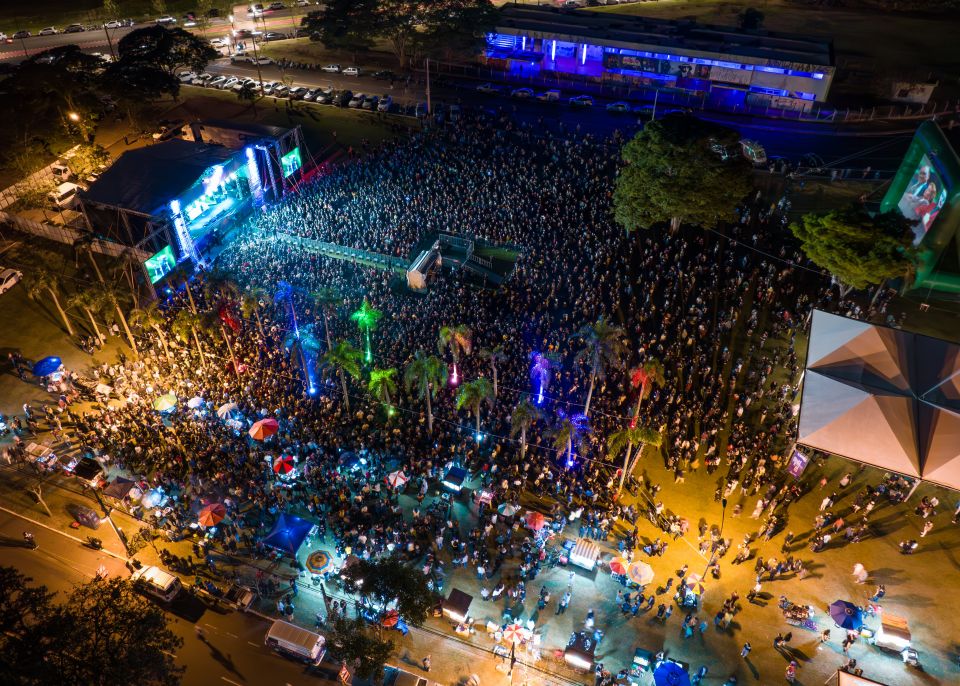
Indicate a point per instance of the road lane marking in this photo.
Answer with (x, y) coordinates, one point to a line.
(230, 682)
(231, 635)
(251, 643)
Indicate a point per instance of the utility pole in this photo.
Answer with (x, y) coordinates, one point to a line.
(106, 31)
(429, 108)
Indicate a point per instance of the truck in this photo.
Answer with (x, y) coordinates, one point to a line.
(294, 642)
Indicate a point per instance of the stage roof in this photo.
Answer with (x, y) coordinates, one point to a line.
(145, 180)
(883, 396)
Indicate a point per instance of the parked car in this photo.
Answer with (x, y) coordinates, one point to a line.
(549, 96)
(356, 101)
(8, 279)
(302, 3)
(49, 31)
(351, 71)
(488, 88)
(230, 82)
(325, 96)
(186, 76)
(166, 19)
(384, 75)
(280, 90)
(297, 93)
(343, 98)
(581, 101)
(202, 79)
(371, 103)
(618, 107)
(115, 24)
(269, 86)
(386, 102)
(215, 82)
(241, 84)
(311, 95)
(274, 35)
(21, 35)
(74, 28)
(521, 93)
(274, 6)
(64, 196)
(243, 33)
(256, 10)
(332, 68)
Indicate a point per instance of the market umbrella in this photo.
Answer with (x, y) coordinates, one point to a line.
(514, 633)
(165, 402)
(195, 402)
(283, 464)
(224, 411)
(508, 509)
(640, 573)
(695, 584)
(618, 566)
(397, 479)
(846, 615)
(390, 619)
(670, 674)
(212, 515)
(535, 521)
(47, 366)
(264, 428)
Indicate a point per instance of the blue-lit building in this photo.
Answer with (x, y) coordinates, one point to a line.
(724, 65)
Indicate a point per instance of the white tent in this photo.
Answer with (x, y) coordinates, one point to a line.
(882, 396)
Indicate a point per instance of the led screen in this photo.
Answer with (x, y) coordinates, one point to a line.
(290, 162)
(160, 264)
(923, 198)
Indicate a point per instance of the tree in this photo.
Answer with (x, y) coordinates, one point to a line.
(457, 339)
(169, 49)
(644, 378)
(159, 7)
(540, 365)
(44, 278)
(212, 324)
(750, 19)
(569, 435)
(388, 581)
(88, 301)
(326, 300)
(383, 386)
(674, 173)
(366, 318)
(427, 374)
(602, 347)
(203, 15)
(472, 395)
(184, 327)
(84, 244)
(87, 159)
(493, 356)
(522, 418)
(622, 441)
(150, 317)
(349, 641)
(346, 360)
(103, 633)
(109, 297)
(859, 249)
(251, 300)
(349, 25)
(249, 94)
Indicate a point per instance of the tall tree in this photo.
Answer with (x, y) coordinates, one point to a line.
(349, 641)
(602, 347)
(674, 173)
(473, 395)
(426, 374)
(458, 340)
(859, 249)
(522, 418)
(44, 279)
(389, 582)
(111, 298)
(152, 319)
(184, 327)
(493, 356)
(455, 29)
(569, 434)
(366, 318)
(349, 25)
(326, 300)
(383, 387)
(623, 440)
(88, 301)
(644, 378)
(251, 302)
(346, 360)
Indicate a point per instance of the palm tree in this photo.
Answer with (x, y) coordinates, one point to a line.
(150, 317)
(218, 285)
(524, 414)
(130, 263)
(457, 339)
(326, 299)
(472, 395)
(251, 300)
(346, 360)
(383, 386)
(569, 435)
(181, 273)
(110, 298)
(211, 323)
(602, 347)
(366, 319)
(493, 356)
(89, 303)
(184, 327)
(624, 440)
(84, 243)
(645, 377)
(427, 373)
(42, 279)
(540, 364)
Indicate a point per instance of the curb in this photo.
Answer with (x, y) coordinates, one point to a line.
(63, 533)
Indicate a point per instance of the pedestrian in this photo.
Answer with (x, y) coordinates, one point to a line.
(426, 663)
(746, 649)
(927, 526)
(878, 594)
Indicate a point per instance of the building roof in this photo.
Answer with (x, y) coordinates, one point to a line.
(883, 396)
(259, 130)
(606, 28)
(146, 179)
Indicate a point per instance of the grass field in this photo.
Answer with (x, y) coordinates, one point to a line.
(35, 14)
(890, 40)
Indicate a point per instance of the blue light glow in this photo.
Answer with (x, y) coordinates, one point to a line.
(583, 54)
(553, 51)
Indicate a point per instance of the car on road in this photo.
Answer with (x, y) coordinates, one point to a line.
(256, 10)
(351, 71)
(297, 93)
(115, 24)
(356, 102)
(157, 583)
(302, 3)
(386, 102)
(521, 93)
(186, 76)
(243, 33)
(618, 107)
(549, 96)
(21, 34)
(370, 103)
(166, 19)
(8, 279)
(274, 6)
(274, 35)
(215, 82)
(4, 38)
(581, 101)
(394, 676)
(74, 28)
(488, 88)
(48, 31)
(384, 75)
(332, 68)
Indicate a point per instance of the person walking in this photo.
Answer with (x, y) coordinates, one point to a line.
(746, 650)
(426, 663)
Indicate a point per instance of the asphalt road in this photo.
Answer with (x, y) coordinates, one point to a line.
(231, 651)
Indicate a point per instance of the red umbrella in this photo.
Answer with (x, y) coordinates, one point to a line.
(397, 479)
(212, 515)
(535, 521)
(283, 464)
(618, 566)
(390, 619)
(264, 429)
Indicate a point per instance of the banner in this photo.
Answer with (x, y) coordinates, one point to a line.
(798, 462)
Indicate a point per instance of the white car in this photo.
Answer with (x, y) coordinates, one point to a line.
(351, 71)
(49, 31)
(302, 3)
(9, 278)
(332, 68)
(269, 86)
(549, 96)
(115, 24)
(186, 76)
(618, 107)
(522, 93)
(216, 82)
(356, 101)
(386, 102)
(581, 101)
(167, 20)
(229, 83)
(488, 88)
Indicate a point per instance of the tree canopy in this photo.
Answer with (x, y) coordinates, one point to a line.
(349, 640)
(677, 169)
(387, 580)
(859, 249)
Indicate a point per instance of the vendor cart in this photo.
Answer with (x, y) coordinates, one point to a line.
(580, 651)
(457, 606)
(585, 554)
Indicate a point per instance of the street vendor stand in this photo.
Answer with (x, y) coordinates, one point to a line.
(894, 636)
(580, 651)
(585, 554)
(457, 606)
(42, 456)
(455, 478)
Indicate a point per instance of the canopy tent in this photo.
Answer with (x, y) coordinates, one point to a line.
(119, 488)
(288, 534)
(457, 606)
(585, 554)
(884, 397)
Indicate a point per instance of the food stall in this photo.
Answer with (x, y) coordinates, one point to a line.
(585, 554)
(41, 456)
(455, 478)
(893, 636)
(580, 650)
(642, 662)
(457, 606)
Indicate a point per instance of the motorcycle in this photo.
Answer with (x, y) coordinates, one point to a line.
(94, 543)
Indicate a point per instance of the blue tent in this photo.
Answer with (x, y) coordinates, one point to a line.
(288, 534)
(46, 366)
(670, 674)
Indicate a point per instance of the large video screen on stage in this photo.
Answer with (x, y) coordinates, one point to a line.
(160, 264)
(923, 198)
(290, 162)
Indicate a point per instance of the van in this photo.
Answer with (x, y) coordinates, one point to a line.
(61, 172)
(292, 641)
(394, 676)
(155, 582)
(64, 197)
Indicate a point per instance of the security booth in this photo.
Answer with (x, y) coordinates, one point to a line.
(580, 651)
(585, 554)
(457, 606)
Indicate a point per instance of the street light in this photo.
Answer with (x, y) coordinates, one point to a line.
(73, 116)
